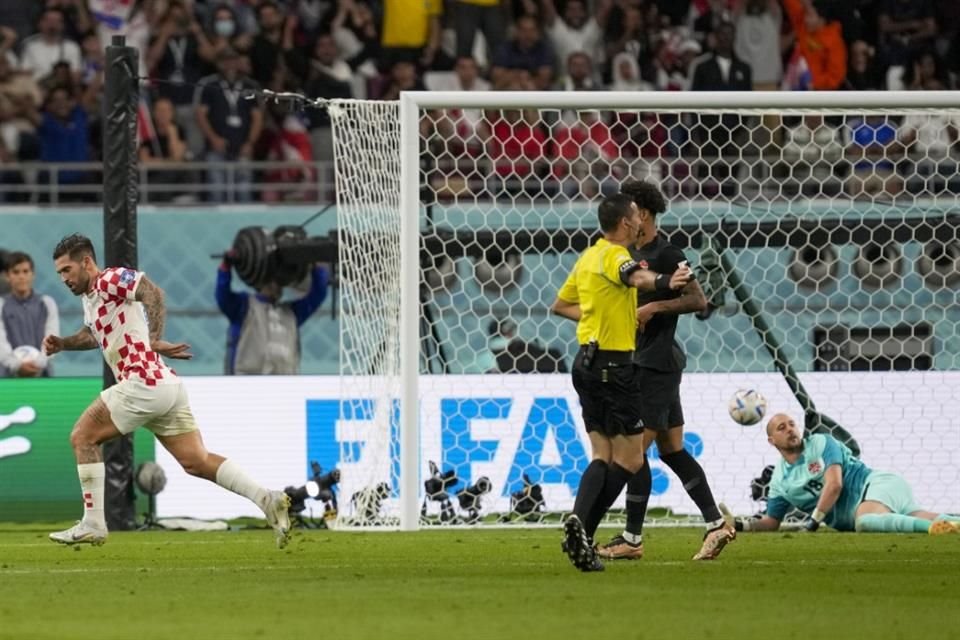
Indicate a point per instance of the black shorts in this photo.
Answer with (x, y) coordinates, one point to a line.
(608, 395)
(659, 394)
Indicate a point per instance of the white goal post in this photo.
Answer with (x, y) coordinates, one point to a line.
(775, 186)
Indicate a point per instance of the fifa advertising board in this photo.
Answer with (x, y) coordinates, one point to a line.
(501, 427)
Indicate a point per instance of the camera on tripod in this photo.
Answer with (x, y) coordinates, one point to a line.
(283, 255)
(320, 487)
(436, 490)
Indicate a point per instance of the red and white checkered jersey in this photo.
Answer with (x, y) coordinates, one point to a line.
(119, 324)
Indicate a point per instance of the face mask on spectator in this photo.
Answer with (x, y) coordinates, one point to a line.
(224, 28)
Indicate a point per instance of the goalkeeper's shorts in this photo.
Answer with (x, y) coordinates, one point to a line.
(892, 491)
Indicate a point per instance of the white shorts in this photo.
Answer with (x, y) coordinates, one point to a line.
(163, 409)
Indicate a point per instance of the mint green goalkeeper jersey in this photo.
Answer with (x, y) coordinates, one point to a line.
(798, 485)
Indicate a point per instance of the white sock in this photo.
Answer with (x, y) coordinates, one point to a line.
(91, 485)
(716, 524)
(232, 478)
(632, 538)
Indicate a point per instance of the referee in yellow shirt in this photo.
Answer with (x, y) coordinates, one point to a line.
(601, 295)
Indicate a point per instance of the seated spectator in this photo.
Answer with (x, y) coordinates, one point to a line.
(923, 70)
(326, 75)
(626, 74)
(403, 77)
(485, 16)
(517, 149)
(819, 60)
(411, 33)
(928, 139)
(314, 16)
(64, 135)
(230, 126)
(165, 145)
(527, 51)
(579, 74)
(874, 148)
(94, 59)
(576, 31)
(42, 51)
(904, 26)
(863, 74)
(586, 157)
(266, 51)
(460, 128)
(286, 139)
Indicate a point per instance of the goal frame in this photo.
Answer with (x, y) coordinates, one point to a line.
(412, 103)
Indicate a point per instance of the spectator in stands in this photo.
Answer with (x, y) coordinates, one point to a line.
(165, 146)
(518, 148)
(905, 26)
(586, 158)
(626, 74)
(411, 33)
(42, 51)
(326, 76)
(8, 43)
(20, 98)
(230, 125)
(486, 16)
(863, 74)
(357, 40)
(224, 33)
(924, 71)
(579, 74)
(758, 41)
(77, 20)
(720, 138)
(928, 139)
(314, 16)
(64, 135)
(819, 60)
(174, 57)
(812, 149)
(21, 18)
(264, 333)
(403, 77)
(94, 59)
(874, 148)
(626, 33)
(577, 31)
(266, 51)
(527, 51)
(26, 317)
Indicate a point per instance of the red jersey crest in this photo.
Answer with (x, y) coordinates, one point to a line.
(815, 467)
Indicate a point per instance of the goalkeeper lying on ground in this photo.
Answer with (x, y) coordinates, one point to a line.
(820, 476)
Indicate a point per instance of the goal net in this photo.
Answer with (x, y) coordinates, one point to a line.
(822, 227)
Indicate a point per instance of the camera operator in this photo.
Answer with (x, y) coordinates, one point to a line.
(264, 333)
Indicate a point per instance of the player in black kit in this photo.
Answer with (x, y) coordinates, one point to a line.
(659, 363)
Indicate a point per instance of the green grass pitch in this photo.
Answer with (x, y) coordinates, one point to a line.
(475, 584)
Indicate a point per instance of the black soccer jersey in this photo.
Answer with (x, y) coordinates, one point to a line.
(656, 347)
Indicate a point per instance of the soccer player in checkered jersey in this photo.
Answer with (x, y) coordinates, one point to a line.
(123, 314)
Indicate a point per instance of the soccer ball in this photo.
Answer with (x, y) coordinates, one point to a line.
(747, 407)
(27, 353)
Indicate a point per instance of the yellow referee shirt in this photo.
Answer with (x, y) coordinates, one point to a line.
(608, 307)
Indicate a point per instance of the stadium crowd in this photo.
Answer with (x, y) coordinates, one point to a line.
(202, 55)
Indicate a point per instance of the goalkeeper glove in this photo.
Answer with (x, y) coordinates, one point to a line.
(812, 523)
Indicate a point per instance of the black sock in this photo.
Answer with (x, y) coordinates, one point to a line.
(638, 493)
(591, 486)
(694, 481)
(617, 477)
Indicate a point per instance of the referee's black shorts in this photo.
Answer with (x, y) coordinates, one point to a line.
(659, 396)
(608, 393)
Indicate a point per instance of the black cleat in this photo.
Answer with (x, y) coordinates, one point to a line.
(577, 547)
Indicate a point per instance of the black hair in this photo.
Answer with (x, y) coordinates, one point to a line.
(646, 195)
(612, 210)
(76, 246)
(14, 258)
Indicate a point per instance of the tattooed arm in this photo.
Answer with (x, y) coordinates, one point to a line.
(82, 340)
(153, 303)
